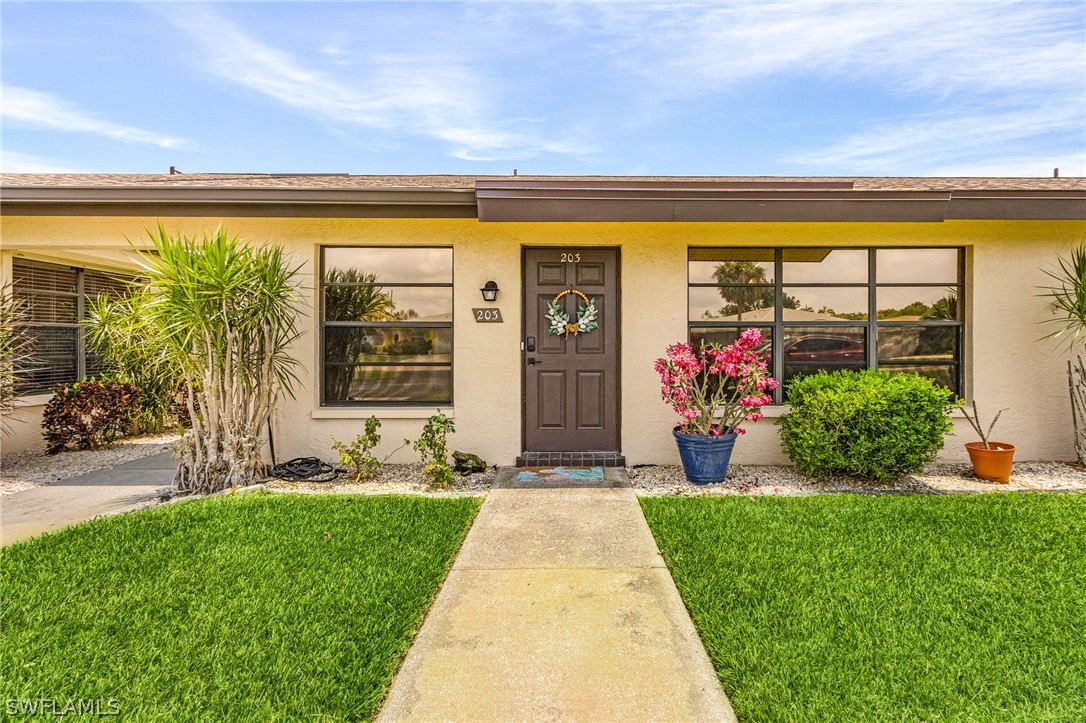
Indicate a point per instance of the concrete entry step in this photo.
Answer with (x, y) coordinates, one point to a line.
(558, 608)
(578, 459)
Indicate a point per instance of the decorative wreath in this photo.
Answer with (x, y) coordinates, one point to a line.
(587, 316)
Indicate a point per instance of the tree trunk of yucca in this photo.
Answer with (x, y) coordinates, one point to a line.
(1076, 381)
(223, 448)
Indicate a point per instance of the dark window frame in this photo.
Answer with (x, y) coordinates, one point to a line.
(323, 364)
(871, 326)
(81, 359)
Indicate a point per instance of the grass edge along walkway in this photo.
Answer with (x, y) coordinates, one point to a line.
(258, 606)
(842, 607)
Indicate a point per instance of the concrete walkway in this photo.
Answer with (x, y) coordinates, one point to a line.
(55, 505)
(558, 608)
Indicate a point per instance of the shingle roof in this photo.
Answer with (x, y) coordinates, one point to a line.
(453, 183)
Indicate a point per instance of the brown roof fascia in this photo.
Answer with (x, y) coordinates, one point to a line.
(1018, 205)
(707, 204)
(557, 200)
(601, 185)
(214, 200)
(806, 201)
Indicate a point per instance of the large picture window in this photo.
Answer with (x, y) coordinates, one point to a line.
(897, 309)
(386, 325)
(55, 298)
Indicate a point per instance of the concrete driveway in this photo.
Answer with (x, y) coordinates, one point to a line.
(56, 505)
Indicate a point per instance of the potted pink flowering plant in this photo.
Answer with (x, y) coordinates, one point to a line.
(714, 389)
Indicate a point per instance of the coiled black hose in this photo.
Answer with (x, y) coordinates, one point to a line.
(308, 469)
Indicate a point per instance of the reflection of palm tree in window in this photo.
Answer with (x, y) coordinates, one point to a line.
(945, 309)
(351, 295)
(734, 280)
(939, 341)
(737, 284)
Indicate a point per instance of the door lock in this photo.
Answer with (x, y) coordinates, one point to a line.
(529, 344)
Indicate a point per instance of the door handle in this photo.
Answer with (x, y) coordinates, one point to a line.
(533, 361)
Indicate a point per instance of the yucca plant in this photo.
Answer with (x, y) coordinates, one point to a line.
(226, 314)
(1067, 295)
(15, 352)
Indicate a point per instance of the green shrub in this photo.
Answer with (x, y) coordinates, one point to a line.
(121, 333)
(865, 423)
(357, 456)
(432, 447)
(89, 414)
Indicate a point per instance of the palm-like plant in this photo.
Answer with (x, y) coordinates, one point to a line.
(123, 333)
(226, 316)
(15, 351)
(1068, 298)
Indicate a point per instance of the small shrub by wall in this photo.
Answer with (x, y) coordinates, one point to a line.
(89, 414)
(865, 423)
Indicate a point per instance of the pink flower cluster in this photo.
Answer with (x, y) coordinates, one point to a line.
(730, 382)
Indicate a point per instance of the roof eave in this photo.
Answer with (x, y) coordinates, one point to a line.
(247, 195)
(520, 202)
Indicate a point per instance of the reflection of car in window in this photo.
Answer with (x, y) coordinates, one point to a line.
(823, 348)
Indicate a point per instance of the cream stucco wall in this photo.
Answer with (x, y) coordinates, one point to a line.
(1006, 364)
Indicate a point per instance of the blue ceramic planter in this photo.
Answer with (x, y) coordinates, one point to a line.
(705, 459)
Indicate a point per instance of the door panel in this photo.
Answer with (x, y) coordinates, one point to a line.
(589, 274)
(590, 399)
(571, 390)
(550, 274)
(552, 391)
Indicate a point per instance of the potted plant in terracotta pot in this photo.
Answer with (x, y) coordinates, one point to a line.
(992, 461)
(714, 389)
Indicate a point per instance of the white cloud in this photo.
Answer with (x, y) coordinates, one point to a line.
(983, 81)
(935, 143)
(433, 96)
(943, 47)
(17, 162)
(44, 110)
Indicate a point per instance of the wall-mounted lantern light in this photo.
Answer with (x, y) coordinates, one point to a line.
(489, 291)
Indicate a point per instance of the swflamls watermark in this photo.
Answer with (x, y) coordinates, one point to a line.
(57, 708)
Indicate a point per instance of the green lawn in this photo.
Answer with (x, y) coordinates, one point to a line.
(855, 608)
(254, 607)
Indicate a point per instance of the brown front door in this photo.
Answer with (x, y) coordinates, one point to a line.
(571, 387)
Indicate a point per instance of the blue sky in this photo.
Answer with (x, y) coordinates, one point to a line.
(764, 88)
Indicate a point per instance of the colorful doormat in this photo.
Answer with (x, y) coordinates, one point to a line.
(560, 474)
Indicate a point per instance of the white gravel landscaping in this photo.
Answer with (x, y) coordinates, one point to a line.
(25, 470)
(32, 467)
(656, 480)
(393, 479)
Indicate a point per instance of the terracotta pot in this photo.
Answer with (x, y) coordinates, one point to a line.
(994, 464)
